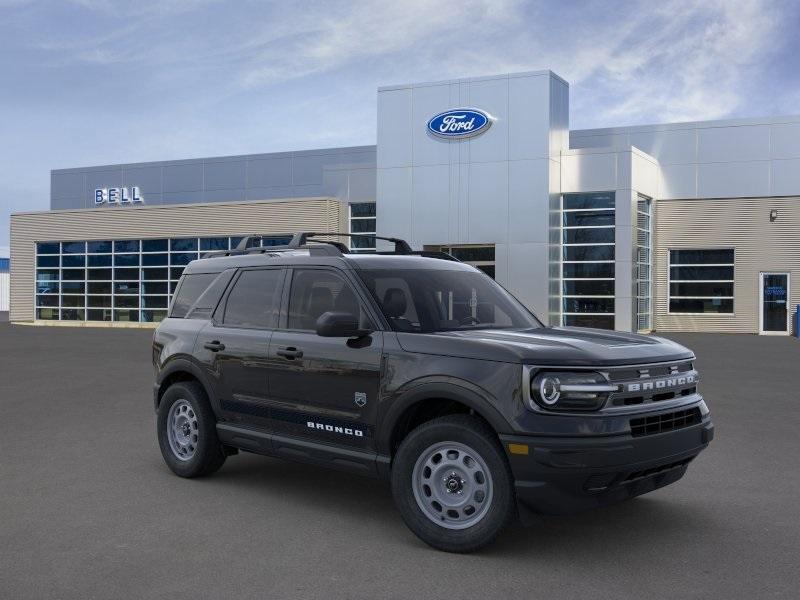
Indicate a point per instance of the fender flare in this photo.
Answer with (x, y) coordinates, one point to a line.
(186, 365)
(444, 388)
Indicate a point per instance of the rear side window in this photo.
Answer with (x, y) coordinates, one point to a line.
(189, 291)
(253, 301)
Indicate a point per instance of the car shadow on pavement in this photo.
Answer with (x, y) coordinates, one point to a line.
(632, 524)
(351, 498)
(338, 492)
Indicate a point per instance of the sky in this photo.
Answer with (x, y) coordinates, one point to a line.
(93, 82)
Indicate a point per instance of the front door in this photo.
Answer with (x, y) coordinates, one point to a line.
(774, 302)
(324, 389)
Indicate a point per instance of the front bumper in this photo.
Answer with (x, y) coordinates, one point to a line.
(561, 475)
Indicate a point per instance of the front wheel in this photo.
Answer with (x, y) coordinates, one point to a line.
(452, 483)
(187, 432)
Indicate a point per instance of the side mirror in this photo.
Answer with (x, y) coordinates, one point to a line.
(340, 324)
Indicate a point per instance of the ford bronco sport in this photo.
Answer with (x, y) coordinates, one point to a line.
(416, 368)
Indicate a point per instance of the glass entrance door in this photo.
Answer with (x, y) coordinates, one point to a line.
(774, 317)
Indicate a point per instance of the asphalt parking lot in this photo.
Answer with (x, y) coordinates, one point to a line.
(89, 510)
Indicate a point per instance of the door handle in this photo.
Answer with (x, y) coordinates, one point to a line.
(214, 346)
(289, 353)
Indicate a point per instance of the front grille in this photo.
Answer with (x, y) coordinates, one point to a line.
(645, 384)
(632, 373)
(664, 422)
(656, 470)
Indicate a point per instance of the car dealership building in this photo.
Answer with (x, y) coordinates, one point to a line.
(673, 227)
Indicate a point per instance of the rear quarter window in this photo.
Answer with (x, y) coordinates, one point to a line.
(189, 290)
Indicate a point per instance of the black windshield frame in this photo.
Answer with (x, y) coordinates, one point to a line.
(444, 300)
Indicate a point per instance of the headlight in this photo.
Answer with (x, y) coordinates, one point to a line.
(570, 391)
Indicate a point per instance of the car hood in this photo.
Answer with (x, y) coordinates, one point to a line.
(567, 346)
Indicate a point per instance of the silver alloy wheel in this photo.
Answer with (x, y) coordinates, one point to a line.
(452, 485)
(182, 430)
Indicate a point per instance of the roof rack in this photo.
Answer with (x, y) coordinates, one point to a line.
(311, 241)
(243, 247)
(300, 239)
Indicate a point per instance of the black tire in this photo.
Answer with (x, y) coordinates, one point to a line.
(472, 432)
(208, 454)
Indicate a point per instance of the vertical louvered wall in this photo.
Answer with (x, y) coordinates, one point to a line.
(742, 224)
(131, 222)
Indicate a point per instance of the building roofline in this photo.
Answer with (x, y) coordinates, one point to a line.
(401, 86)
(687, 125)
(219, 159)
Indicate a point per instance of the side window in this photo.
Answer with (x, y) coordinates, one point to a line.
(190, 289)
(317, 291)
(397, 302)
(253, 301)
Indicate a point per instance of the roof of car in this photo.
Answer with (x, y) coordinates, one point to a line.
(214, 264)
(399, 261)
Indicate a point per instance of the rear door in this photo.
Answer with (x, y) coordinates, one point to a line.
(234, 345)
(324, 389)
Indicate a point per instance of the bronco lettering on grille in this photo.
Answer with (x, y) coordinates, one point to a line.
(660, 384)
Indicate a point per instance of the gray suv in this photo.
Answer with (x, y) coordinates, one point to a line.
(416, 368)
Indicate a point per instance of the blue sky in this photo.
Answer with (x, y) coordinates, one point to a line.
(91, 82)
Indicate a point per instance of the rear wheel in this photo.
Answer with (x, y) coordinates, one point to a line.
(187, 433)
(452, 483)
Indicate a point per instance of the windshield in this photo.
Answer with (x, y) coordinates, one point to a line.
(428, 300)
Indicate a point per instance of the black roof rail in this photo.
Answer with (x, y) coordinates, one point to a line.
(243, 243)
(400, 246)
(431, 254)
(310, 240)
(330, 249)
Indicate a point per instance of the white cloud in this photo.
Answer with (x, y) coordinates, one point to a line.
(626, 61)
(688, 61)
(322, 39)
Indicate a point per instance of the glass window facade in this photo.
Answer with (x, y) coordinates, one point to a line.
(117, 280)
(362, 220)
(643, 275)
(701, 281)
(587, 259)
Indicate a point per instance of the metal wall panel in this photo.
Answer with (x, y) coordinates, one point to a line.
(530, 137)
(434, 191)
(733, 179)
(759, 245)
(493, 96)
(785, 176)
(269, 172)
(732, 144)
(678, 181)
(182, 178)
(225, 175)
(272, 217)
(66, 185)
(147, 179)
(252, 177)
(785, 140)
(669, 147)
(712, 159)
(431, 202)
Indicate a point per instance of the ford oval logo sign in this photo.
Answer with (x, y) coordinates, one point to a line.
(459, 123)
